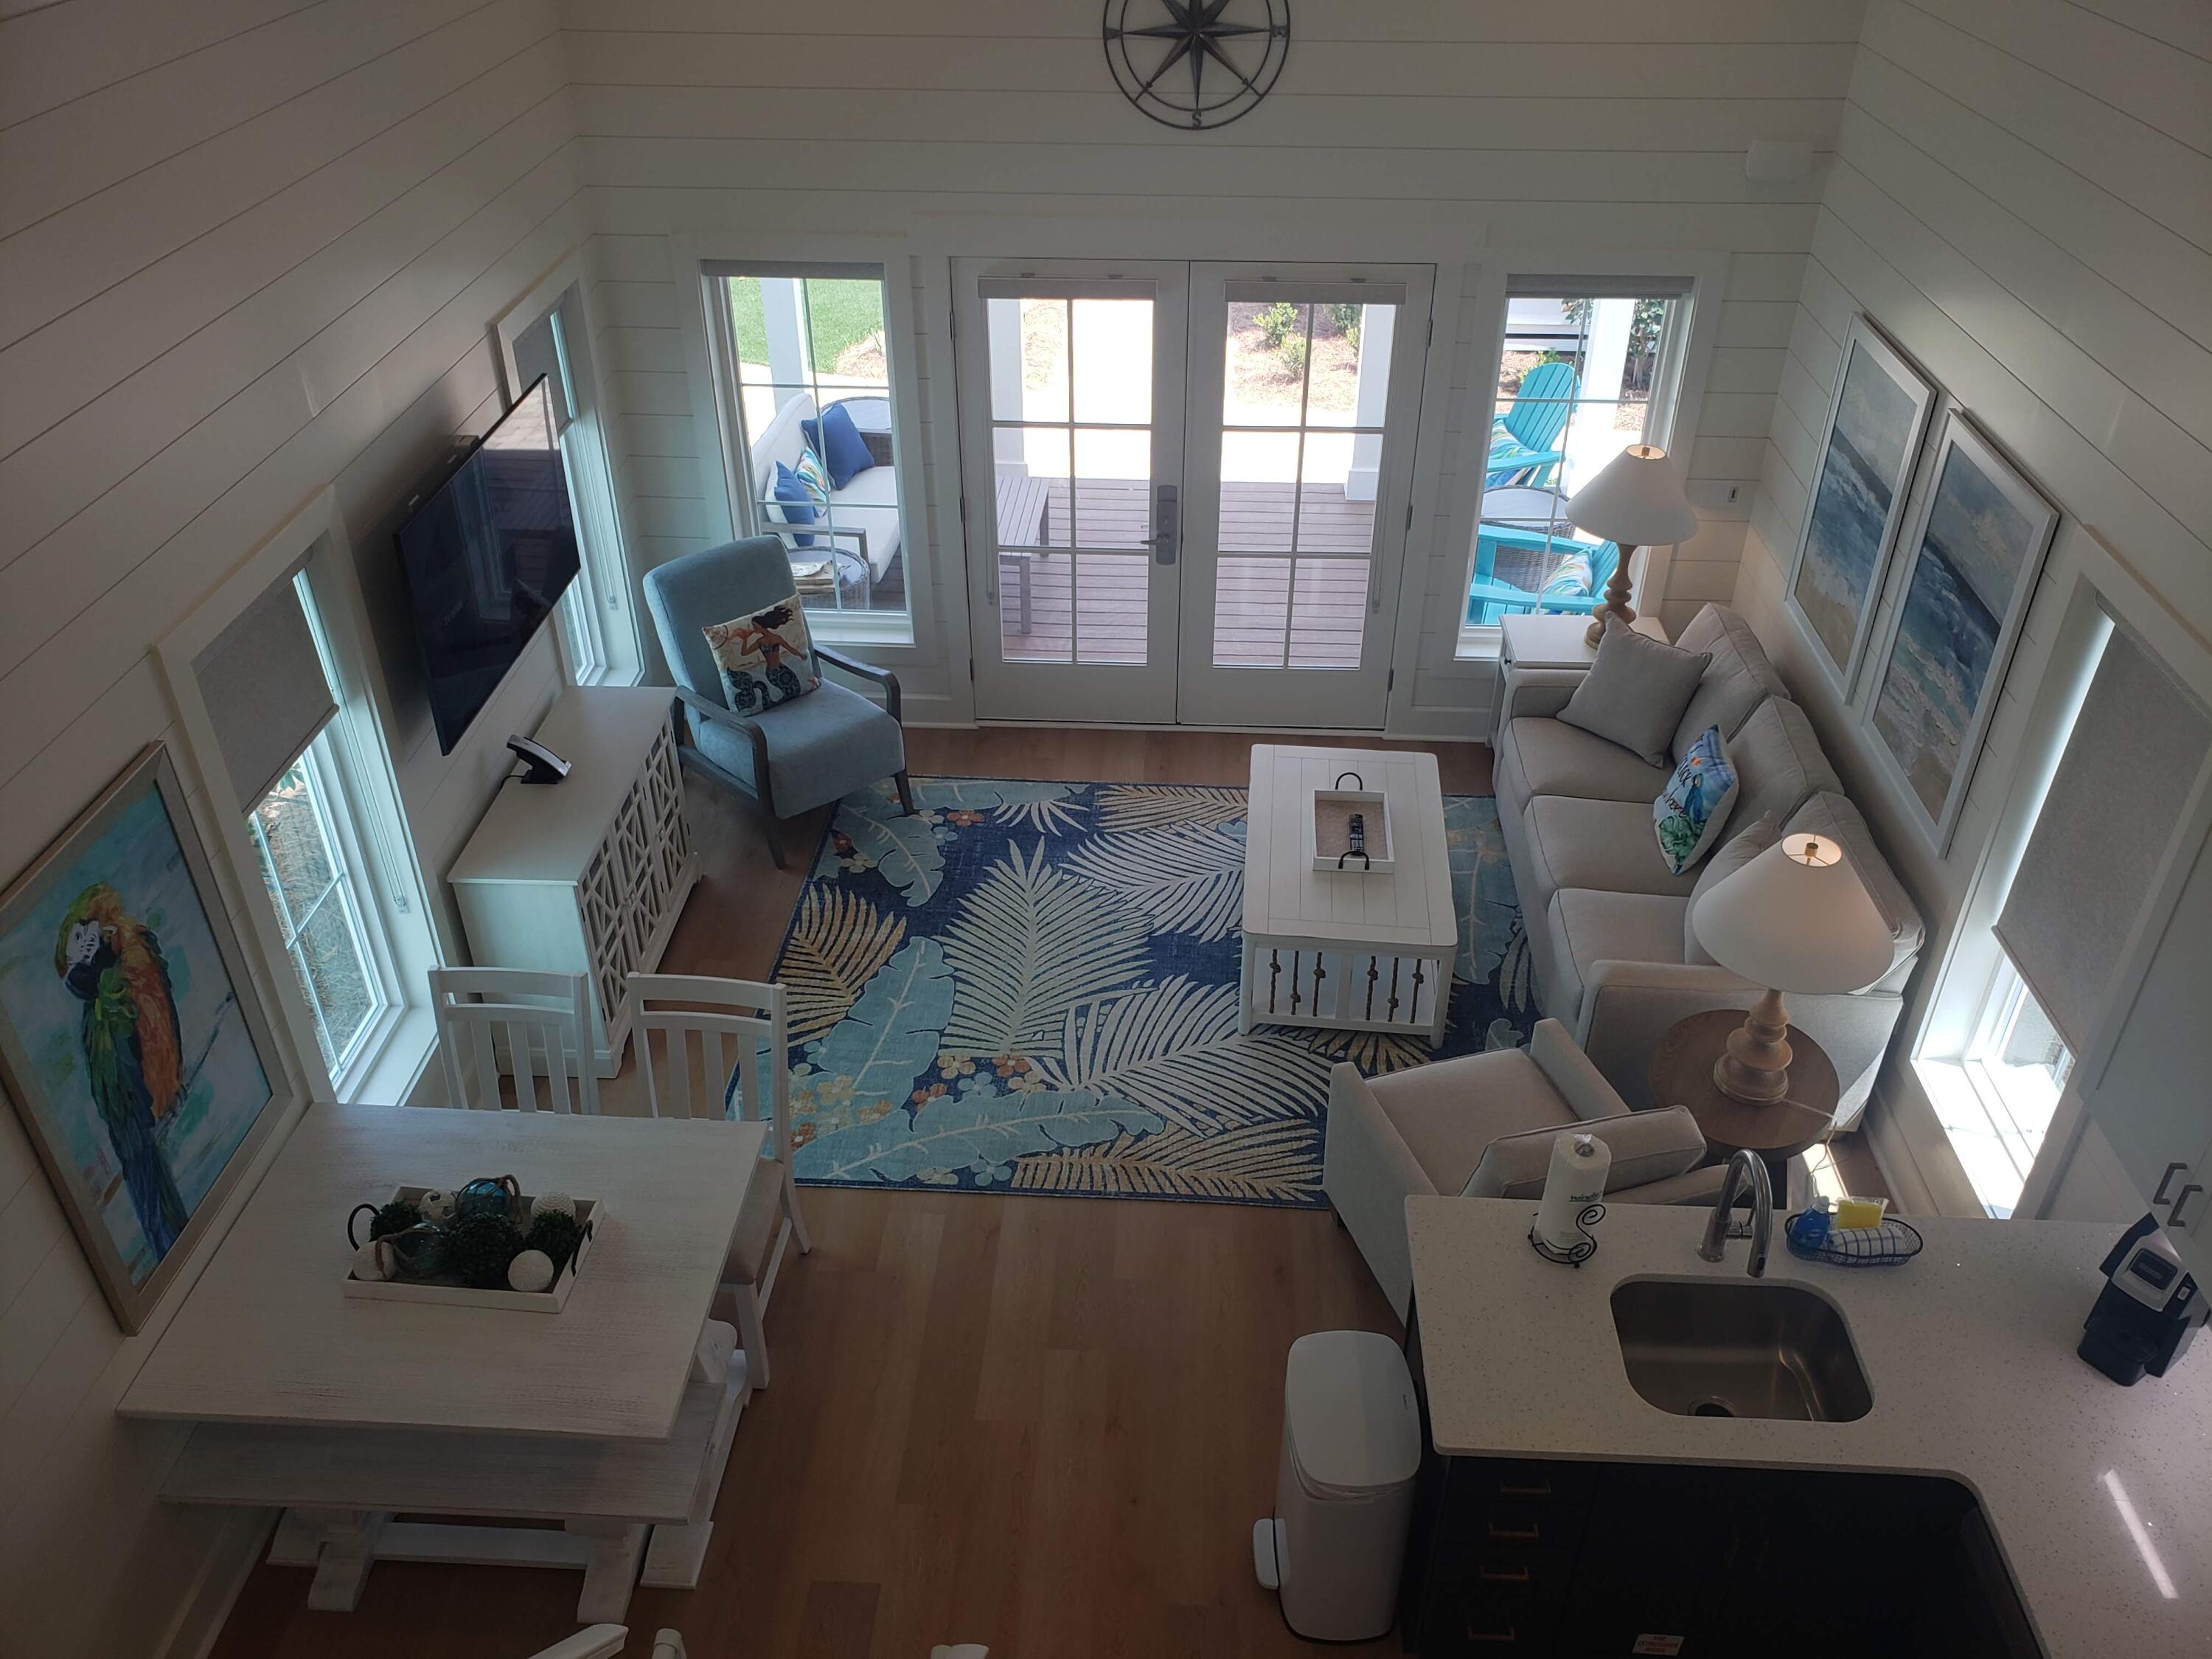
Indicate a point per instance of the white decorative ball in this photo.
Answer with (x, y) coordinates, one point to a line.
(553, 1204)
(532, 1270)
(368, 1263)
(436, 1205)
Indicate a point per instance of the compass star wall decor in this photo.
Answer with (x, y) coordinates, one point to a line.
(1195, 64)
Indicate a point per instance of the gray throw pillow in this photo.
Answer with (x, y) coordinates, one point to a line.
(1732, 857)
(1635, 691)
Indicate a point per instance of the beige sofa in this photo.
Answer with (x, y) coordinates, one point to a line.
(1482, 1125)
(1605, 916)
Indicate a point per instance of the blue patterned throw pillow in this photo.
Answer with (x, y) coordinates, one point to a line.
(1693, 807)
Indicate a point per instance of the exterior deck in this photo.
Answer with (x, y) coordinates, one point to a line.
(1271, 610)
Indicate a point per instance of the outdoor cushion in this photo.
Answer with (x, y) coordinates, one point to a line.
(1832, 815)
(1736, 852)
(1739, 679)
(1448, 1112)
(1635, 691)
(1778, 761)
(1586, 927)
(1646, 1146)
(1543, 758)
(814, 475)
(869, 502)
(1602, 844)
(790, 502)
(839, 443)
(765, 657)
(820, 747)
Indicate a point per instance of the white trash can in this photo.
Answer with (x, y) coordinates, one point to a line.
(1344, 1494)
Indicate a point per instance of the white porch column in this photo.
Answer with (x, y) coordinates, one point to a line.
(1378, 326)
(1005, 336)
(785, 317)
(1590, 443)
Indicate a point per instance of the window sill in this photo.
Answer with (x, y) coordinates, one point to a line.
(608, 676)
(1478, 644)
(392, 1069)
(845, 628)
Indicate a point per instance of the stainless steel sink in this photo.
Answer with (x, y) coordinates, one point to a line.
(1736, 1347)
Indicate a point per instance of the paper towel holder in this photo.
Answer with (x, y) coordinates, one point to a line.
(1582, 1248)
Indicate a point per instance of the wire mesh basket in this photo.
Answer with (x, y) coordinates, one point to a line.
(1812, 1235)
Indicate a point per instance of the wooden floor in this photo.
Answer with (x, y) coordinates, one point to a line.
(1043, 1424)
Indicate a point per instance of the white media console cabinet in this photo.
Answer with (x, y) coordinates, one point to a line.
(588, 875)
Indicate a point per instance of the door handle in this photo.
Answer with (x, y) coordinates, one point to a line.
(1167, 520)
(2174, 1220)
(2166, 1181)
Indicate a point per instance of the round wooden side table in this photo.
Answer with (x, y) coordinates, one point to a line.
(1682, 1075)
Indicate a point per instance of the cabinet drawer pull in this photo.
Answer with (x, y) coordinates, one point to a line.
(1528, 1534)
(1490, 1575)
(1529, 1489)
(2180, 1203)
(1510, 1634)
(2166, 1181)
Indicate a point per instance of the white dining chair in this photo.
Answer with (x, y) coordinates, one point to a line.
(605, 1641)
(539, 1020)
(742, 1029)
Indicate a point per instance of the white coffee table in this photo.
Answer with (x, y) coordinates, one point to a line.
(1336, 949)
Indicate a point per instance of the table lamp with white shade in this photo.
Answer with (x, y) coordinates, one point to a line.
(1796, 918)
(1636, 501)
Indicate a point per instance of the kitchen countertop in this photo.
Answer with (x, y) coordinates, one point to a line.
(2100, 1496)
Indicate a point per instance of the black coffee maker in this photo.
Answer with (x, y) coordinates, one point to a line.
(2147, 1313)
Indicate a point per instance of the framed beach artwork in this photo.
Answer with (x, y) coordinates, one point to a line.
(132, 1041)
(1877, 417)
(1976, 545)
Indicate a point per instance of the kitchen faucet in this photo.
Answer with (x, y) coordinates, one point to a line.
(1750, 1167)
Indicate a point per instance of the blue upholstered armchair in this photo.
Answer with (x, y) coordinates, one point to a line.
(799, 755)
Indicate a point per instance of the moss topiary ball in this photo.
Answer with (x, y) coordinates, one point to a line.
(396, 1217)
(557, 1235)
(478, 1249)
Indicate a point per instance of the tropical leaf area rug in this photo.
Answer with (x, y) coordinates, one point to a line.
(1032, 987)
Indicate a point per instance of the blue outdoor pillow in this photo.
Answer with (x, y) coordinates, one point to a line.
(790, 502)
(1694, 805)
(840, 445)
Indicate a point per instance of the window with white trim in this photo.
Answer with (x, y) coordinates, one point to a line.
(313, 866)
(2043, 929)
(805, 370)
(325, 930)
(1584, 369)
(598, 613)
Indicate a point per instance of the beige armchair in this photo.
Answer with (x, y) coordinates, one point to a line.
(1482, 1126)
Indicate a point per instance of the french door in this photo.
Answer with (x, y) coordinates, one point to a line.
(1185, 486)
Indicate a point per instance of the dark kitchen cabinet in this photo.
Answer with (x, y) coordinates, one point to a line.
(1587, 1560)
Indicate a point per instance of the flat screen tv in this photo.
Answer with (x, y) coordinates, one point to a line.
(486, 558)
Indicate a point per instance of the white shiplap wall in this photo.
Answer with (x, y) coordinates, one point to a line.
(2021, 195)
(1599, 124)
(248, 247)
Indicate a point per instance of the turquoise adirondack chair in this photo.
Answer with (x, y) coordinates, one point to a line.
(1574, 587)
(1524, 440)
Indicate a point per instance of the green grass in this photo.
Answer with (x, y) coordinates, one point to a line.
(842, 312)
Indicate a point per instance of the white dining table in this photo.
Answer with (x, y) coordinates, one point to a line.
(610, 1416)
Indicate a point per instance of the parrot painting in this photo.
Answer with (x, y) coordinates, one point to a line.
(133, 1052)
